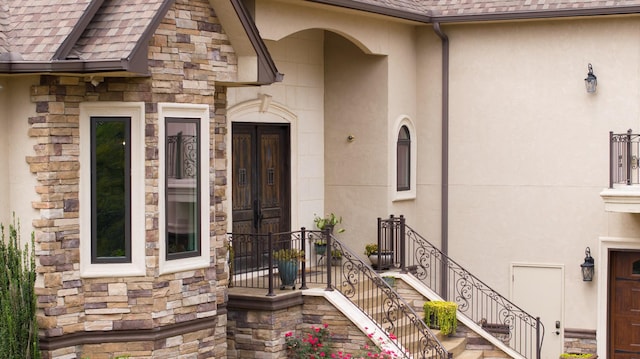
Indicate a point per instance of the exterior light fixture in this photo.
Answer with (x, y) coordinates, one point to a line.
(591, 82)
(587, 266)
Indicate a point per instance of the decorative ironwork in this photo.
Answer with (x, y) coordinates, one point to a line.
(624, 167)
(352, 277)
(475, 299)
(182, 156)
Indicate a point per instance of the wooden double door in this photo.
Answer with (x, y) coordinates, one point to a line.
(624, 305)
(261, 194)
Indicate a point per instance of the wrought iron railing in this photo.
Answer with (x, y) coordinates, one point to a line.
(477, 301)
(624, 166)
(335, 267)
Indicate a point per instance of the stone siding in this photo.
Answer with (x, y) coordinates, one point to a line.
(188, 54)
(253, 334)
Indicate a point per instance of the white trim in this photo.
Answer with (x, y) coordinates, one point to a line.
(134, 110)
(265, 110)
(403, 120)
(200, 112)
(602, 267)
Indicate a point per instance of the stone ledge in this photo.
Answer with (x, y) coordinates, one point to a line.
(124, 336)
(263, 302)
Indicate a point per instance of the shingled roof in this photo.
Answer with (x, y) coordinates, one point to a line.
(480, 10)
(90, 36)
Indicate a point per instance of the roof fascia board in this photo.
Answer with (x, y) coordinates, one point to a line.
(267, 71)
(142, 46)
(69, 66)
(504, 16)
(84, 21)
(534, 15)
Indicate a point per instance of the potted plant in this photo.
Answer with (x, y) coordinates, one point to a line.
(386, 257)
(336, 257)
(441, 315)
(329, 221)
(320, 245)
(287, 260)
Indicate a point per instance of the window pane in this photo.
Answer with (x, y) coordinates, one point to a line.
(403, 160)
(636, 267)
(183, 188)
(110, 190)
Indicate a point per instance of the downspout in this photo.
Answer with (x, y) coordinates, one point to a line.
(444, 205)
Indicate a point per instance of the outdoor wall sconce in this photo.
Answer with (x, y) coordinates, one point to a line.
(587, 266)
(591, 82)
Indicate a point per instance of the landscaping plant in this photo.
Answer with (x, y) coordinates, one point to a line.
(18, 326)
(317, 344)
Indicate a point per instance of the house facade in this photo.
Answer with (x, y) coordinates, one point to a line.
(509, 154)
(137, 135)
(113, 126)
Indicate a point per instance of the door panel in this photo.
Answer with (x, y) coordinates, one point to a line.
(538, 290)
(624, 308)
(260, 189)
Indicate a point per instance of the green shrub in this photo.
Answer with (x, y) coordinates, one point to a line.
(18, 325)
(441, 315)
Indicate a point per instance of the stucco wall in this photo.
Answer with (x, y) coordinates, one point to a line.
(16, 181)
(529, 146)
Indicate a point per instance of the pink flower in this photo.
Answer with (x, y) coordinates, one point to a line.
(288, 334)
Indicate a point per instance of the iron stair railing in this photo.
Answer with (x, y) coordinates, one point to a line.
(477, 301)
(353, 278)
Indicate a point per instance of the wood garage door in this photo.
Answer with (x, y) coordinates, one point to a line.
(624, 307)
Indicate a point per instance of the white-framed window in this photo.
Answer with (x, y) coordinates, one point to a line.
(184, 202)
(404, 145)
(111, 189)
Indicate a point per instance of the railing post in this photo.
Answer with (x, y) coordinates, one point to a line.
(303, 238)
(379, 240)
(628, 168)
(403, 245)
(538, 344)
(392, 240)
(270, 257)
(611, 159)
(327, 235)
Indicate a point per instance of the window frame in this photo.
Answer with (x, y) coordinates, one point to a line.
(403, 143)
(199, 113)
(127, 190)
(135, 266)
(410, 193)
(198, 181)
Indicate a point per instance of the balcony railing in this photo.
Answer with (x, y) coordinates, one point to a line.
(624, 157)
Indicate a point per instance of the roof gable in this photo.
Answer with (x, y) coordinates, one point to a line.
(89, 36)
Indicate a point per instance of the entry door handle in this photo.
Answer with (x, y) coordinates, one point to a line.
(557, 327)
(257, 214)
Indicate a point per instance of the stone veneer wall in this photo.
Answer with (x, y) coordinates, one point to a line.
(580, 341)
(260, 333)
(159, 316)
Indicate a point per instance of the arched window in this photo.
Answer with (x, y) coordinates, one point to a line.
(403, 153)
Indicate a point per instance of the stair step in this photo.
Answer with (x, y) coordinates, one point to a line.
(470, 354)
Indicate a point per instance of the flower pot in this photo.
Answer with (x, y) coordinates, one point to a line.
(336, 261)
(288, 272)
(386, 260)
(321, 249)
